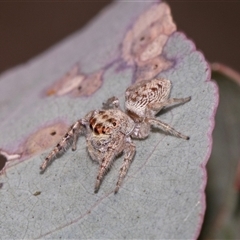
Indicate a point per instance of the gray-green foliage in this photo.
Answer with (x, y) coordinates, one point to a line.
(163, 193)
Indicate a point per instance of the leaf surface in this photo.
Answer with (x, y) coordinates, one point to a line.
(222, 218)
(163, 193)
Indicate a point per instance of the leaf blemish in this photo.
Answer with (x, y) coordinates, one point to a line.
(53, 133)
(37, 193)
(75, 83)
(43, 138)
(3, 161)
(144, 42)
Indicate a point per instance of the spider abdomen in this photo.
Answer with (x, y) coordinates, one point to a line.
(109, 130)
(106, 122)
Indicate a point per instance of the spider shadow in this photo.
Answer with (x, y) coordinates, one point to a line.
(168, 109)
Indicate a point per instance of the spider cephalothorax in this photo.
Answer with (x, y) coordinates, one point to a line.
(109, 131)
(143, 100)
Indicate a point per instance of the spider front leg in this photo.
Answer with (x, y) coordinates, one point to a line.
(111, 103)
(69, 138)
(166, 128)
(157, 106)
(105, 165)
(129, 151)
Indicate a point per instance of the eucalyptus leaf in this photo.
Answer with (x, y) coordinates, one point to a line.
(162, 196)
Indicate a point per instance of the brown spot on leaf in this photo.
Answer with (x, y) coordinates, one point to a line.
(37, 193)
(90, 84)
(42, 140)
(53, 133)
(51, 92)
(76, 83)
(149, 69)
(70, 81)
(144, 42)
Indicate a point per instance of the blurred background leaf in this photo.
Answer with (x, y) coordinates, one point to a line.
(222, 219)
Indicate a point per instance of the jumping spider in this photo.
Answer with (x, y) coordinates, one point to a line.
(109, 131)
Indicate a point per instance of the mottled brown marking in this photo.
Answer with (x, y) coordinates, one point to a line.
(98, 128)
(103, 130)
(59, 147)
(154, 89)
(96, 131)
(107, 130)
(112, 121)
(105, 116)
(134, 98)
(92, 122)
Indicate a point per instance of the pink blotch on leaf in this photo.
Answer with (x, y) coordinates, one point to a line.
(144, 42)
(43, 139)
(76, 84)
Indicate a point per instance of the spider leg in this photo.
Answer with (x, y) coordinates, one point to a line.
(69, 138)
(111, 103)
(166, 128)
(77, 129)
(105, 164)
(129, 151)
(159, 105)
